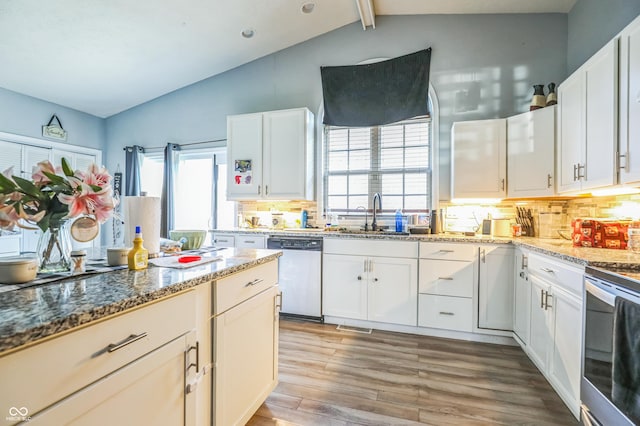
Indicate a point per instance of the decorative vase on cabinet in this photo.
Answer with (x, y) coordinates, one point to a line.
(538, 100)
(552, 96)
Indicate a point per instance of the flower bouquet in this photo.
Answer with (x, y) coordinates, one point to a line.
(49, 200)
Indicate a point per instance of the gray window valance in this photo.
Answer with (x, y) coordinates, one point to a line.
(379, 93)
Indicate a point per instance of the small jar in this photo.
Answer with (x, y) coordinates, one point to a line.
(633, 232)
(78, 261)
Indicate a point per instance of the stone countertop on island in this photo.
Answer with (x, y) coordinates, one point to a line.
(33, 313)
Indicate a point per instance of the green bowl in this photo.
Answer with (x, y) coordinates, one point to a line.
(193, 239)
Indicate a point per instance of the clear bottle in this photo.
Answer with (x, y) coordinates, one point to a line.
(138, 256)
(633, 232)
(78, 261)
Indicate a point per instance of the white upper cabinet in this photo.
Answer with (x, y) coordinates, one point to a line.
(271, 155)
(588, 122)
(479, 159)
(531, 140)
(629, 162)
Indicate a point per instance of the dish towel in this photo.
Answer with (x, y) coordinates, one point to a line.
(625, 392)
(172, 262)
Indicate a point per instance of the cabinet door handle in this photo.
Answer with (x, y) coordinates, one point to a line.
(549, 184)
(197, 364)
(129, 340)
(584, 171)
(502, 184)
(447, 313)
(278, 302)
(541, 299)
(359, 277)
(483, 255)
(266, 190)
(620, 158)
(375, 280)
(445, 251)
(548, 270)
(446, 278)
(525, 261)
(249, 241)
(254, 282)
(546, 300)
(575, 172)
(260, 189)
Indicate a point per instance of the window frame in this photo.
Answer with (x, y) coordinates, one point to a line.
(375, 172)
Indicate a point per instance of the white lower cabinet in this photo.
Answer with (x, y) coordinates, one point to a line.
(224, 240)
(495, 288)
(370, 287)
(555, 338)
(245, 342)
(112, 372)
(131, 395)
(521, 297)
(448, 276)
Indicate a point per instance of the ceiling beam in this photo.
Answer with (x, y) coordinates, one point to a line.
(367, 13)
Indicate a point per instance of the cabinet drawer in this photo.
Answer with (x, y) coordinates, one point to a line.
(451, 313)
(448, 251)
(367, 247)
(222, 240)
(230, 291)
(447, 277)
(250, 241)
(65, 364)
(557, 272)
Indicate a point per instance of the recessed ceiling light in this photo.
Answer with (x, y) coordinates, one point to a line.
(248, 33)
(308, 7)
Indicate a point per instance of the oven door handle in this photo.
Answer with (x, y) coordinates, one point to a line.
(600, 293)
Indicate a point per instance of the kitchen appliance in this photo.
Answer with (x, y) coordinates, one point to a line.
(300, 275)
(604, 395)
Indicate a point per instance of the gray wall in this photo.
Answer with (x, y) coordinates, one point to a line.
(488, 61)
(24, 115)
(592, 23)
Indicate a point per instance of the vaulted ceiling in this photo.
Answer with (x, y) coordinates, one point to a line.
(103, 57)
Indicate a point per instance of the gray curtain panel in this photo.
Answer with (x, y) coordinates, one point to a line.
(379, 93)
(132, 169)
(168, 188)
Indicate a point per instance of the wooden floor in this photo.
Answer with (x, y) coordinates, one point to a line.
(332, 377)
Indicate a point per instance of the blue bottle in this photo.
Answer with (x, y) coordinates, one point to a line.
(398, 221)
(303, 219)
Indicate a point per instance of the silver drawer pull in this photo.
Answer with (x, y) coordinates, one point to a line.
(447, 313)
(249, 242)
(134, 337)
(446, 278)
(445, 251)
(549, 270)
(254, 282)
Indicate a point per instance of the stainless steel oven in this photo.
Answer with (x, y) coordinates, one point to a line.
(609, 394)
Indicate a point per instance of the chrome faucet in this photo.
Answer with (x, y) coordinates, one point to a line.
(374, 224)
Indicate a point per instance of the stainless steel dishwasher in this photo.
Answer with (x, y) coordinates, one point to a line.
(300, 275)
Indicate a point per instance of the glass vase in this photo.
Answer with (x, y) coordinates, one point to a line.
(54, 248)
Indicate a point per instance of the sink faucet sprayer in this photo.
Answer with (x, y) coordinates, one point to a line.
(374, 224)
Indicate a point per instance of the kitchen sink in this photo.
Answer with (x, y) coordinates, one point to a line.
(363, 232)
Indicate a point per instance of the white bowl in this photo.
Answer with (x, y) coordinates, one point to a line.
(16, 270)
(117, 256)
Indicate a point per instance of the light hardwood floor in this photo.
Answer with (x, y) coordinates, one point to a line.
(332, 377)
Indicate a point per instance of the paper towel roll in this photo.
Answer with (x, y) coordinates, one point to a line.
(143, 212)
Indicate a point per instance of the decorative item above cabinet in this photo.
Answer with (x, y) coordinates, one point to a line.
(270, 155)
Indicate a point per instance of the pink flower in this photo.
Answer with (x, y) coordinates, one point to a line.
(85, 200)
(38, 176)
(95, 175)
(10, 214)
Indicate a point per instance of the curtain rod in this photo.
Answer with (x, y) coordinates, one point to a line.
(184, 144)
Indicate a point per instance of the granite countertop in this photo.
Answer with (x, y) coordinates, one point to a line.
(559, 248)
(33, 313)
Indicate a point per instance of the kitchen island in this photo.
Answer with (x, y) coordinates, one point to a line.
(102, 348)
